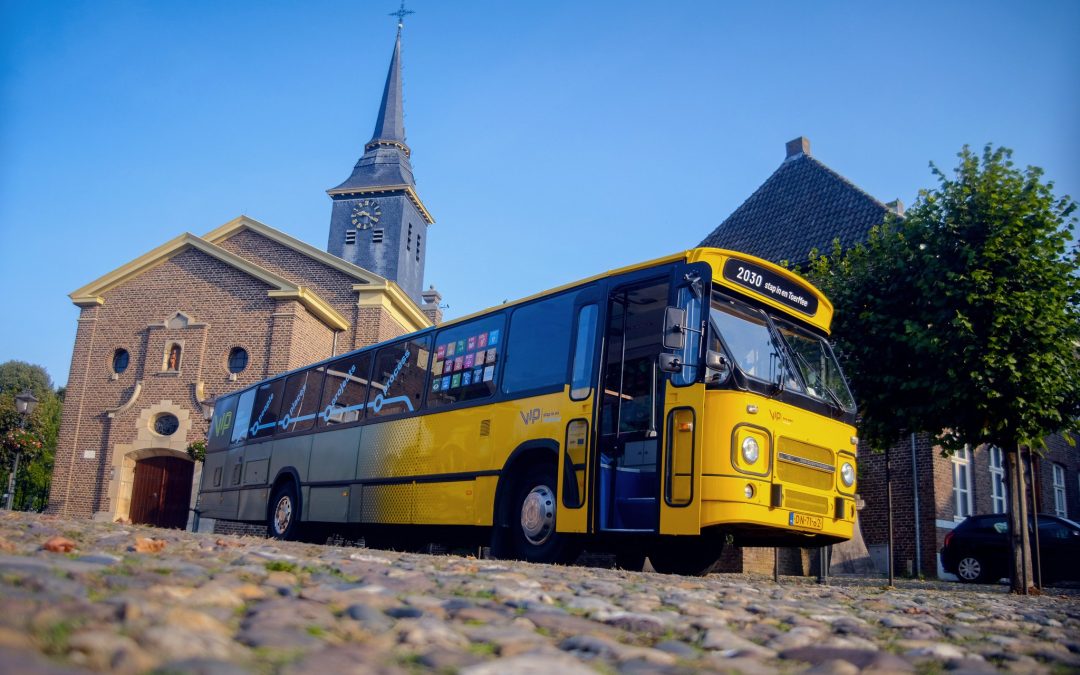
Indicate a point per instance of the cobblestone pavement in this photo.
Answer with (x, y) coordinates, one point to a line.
(131, 599)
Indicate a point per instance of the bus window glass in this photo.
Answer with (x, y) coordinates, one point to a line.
(750, 342)
(345, 390)
(584, 348)
(818, 367)
(264, 414)
(689, 354)
(242, 425)
(399, 378)
(539, 344)
(300, 401)
(222, 425)
(466, 362)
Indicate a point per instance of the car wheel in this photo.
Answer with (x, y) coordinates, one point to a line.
(971, 570)
(283, 517)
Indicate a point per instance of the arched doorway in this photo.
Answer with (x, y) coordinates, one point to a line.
(161, 491)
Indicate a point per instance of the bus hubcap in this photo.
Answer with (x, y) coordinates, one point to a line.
(538, 515)
(283, 515)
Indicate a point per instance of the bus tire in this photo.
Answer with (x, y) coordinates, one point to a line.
(283, 516)
(689, 556)
(532, 514)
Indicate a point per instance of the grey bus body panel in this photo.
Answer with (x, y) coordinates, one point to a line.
(333, 454)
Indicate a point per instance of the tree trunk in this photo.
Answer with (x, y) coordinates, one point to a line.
(1021, 578)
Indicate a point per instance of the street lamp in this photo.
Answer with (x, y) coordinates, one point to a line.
(24, 405)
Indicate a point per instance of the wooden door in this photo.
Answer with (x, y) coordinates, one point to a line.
(162, 492)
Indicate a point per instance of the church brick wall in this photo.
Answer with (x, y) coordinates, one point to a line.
(225, 307)
(331, 285)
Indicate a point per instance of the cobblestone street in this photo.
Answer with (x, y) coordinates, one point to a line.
(130, 599)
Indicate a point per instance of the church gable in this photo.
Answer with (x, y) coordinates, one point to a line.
(332, 284)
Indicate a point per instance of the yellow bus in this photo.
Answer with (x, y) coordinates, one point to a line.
(661, 409)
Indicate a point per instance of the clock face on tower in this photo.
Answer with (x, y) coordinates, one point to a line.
(365, 214)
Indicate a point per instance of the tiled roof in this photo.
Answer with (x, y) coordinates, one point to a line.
(803, 205)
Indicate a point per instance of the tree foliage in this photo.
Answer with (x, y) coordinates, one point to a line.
(38, 441)
(963, 319)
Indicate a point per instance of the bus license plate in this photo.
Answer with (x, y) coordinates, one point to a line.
(802, 520)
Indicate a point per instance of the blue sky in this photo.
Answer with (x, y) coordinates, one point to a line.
(550, 140)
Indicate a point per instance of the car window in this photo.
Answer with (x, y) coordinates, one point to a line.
(1051, 529)
(999, 526)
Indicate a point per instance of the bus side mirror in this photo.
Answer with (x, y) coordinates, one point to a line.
(670, 363)
(674, 329)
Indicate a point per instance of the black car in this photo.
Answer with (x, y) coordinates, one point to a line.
(977, 550)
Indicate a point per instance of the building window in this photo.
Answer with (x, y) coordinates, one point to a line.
(408, 243)
(417, 248)
(166, 424)
(1060, 506)
(238, 360)
(962, 483)
(376, 236)
(173, 362)
(120, 360)
(997, 480)
(350, 236)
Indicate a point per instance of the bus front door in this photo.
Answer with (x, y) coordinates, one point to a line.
(630, 427)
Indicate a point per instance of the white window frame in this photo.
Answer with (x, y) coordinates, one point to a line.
(1061, 507)
(961, 462)
(997, 480)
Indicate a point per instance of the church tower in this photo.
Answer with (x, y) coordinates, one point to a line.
(378, 221)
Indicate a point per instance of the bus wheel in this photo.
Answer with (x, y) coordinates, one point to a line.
(690, 556)
(284, 516)
(532, 519)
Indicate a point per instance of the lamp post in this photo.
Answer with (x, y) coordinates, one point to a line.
(24, 405)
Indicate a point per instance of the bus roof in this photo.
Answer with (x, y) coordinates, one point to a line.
(714, 257)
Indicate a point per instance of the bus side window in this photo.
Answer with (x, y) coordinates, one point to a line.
(539, 345)
(221, 427)
(344, 390)
(264, 414)
(300, 400)
(242, 425)
(399, 378)
(466, 359)
(584, 348)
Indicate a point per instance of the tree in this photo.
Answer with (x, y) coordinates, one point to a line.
(963, 319)
(35, 470)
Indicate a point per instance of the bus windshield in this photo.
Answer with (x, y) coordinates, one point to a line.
(774, 351)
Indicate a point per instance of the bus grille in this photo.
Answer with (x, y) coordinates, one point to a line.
(804, 464)
(800, 501)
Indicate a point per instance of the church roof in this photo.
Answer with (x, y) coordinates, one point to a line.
(803, 205)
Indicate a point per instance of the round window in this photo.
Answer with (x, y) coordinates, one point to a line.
(238, 360)
(166, 424)
(120, 360)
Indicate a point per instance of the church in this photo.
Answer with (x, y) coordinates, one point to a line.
(161, 337)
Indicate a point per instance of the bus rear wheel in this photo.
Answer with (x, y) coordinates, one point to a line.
(283, 517)
(532, 514)
(689, 556)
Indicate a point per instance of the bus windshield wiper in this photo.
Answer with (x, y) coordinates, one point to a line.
(783, 350)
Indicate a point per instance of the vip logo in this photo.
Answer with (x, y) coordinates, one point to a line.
(776, 415)
(530, 416)
(223, 423)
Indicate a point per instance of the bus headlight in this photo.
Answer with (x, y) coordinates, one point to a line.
(847, 474)
(750, 450)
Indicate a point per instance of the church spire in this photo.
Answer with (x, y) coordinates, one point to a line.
(390, 124)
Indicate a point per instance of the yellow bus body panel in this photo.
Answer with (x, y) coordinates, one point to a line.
(797, 433)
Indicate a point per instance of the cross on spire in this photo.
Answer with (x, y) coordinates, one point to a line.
(401, 14)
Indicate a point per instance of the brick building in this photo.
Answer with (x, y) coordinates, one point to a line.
(805, 205)
(158, 339)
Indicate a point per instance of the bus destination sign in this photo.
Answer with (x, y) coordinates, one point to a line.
(771, 285)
